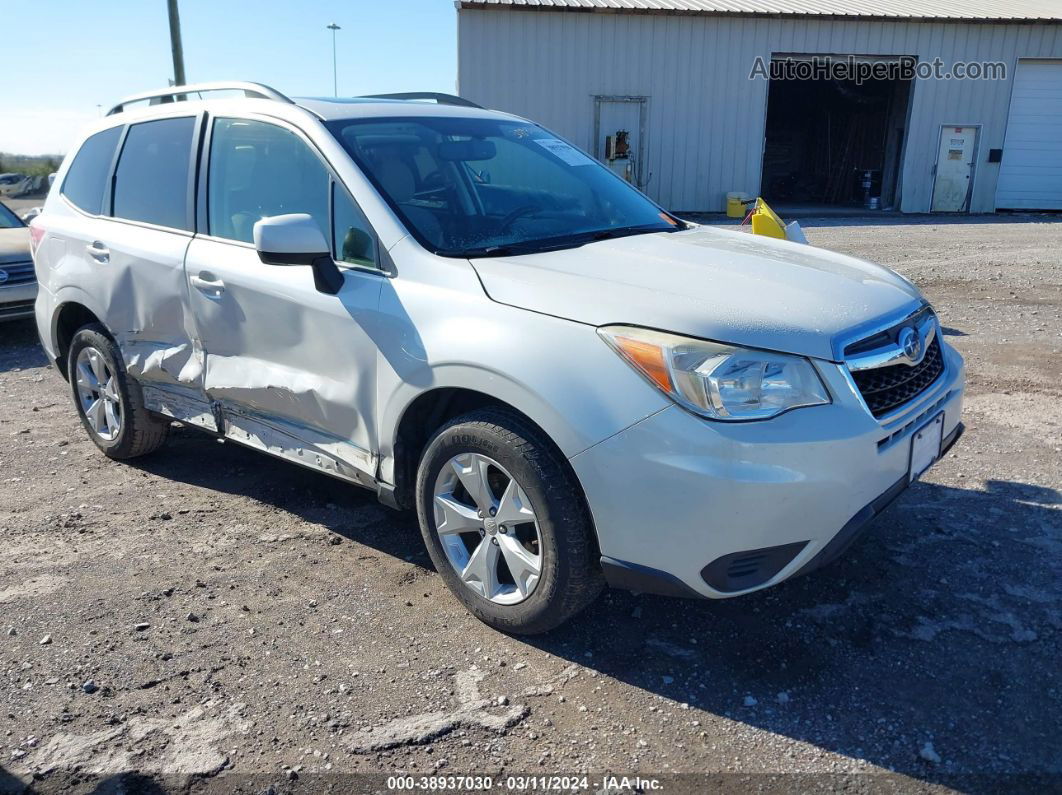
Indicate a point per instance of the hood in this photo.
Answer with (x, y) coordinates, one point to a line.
(705, 282)
(15, 244)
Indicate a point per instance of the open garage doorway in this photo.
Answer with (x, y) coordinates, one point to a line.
(835, 142)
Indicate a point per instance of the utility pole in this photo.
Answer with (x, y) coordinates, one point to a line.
(175, 44)
(335, 80)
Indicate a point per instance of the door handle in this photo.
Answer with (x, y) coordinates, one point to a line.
(204, 283)
(98, 251)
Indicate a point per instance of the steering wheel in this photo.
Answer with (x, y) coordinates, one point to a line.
(512, 216)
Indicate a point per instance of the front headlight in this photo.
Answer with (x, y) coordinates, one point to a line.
(722, 382)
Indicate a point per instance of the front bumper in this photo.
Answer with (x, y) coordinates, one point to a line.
(688, 507)
(17, 300)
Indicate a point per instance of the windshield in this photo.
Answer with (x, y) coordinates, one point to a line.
(489, 187)
(8, 220)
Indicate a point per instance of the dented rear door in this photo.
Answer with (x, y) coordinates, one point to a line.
(137, 256)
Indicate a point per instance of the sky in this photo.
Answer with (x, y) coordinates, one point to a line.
(72, 57)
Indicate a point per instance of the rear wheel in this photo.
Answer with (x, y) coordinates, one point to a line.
(109, 402)
(504, 523)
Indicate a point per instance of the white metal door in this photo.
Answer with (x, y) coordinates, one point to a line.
(955, 163)
(1030, 176)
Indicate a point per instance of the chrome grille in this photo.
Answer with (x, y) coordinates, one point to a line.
(17, 273)
(894, 365)
(887, 388)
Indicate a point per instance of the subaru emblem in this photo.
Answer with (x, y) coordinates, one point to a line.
(3, 276)
(910, 341)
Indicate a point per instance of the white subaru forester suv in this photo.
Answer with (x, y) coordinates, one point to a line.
(462, 311)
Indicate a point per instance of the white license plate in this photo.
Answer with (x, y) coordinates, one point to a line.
(925, 445)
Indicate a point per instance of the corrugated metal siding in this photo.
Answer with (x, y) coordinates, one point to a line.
(1031, 174)
(907, 9)
(706, 118)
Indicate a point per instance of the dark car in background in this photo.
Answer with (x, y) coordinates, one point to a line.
(18, 281)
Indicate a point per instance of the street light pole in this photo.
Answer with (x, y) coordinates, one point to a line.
(175, 44)
(335, 80)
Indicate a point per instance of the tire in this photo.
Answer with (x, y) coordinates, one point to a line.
(135, 431)
(569, 575)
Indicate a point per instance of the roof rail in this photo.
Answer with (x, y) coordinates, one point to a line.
(441, 99)
(180, 93)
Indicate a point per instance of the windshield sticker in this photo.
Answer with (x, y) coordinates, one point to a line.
(566, 152)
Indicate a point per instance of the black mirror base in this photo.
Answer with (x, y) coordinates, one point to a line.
(327, 277)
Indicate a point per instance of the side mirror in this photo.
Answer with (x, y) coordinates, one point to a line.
(296, 239)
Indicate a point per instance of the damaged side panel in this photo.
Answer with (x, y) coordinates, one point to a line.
(163, 362)
(314, 398)
(143, 294)
(146, 306)
(301, 445)
(180, 405)
(138, 287)
(292, 370)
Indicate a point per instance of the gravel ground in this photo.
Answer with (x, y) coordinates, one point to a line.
(214, 619)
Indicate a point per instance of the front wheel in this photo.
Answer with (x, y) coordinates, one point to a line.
(505, 524)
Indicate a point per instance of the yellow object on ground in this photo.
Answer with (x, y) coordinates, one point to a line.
(765, 222)
(735, 204)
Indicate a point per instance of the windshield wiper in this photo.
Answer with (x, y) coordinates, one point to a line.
(627, 231)
(554, 243)
(505, 250)
(513, 249)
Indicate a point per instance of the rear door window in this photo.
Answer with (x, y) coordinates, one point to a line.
(151, 182)
(86, 179)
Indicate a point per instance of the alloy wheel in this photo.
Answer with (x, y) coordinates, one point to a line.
(488, 528)
(97, 390)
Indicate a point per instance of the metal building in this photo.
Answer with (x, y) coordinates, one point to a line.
(664, 91)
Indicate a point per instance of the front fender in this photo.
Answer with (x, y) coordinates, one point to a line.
(559, 373)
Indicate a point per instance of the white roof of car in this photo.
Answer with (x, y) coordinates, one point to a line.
(367, 107)
(176, 99)
(957, 10)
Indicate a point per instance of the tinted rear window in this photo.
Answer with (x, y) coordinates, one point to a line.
(151, 183)
(86, 180)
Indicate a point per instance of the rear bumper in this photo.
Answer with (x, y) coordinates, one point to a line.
(44, 310)
(687, 507)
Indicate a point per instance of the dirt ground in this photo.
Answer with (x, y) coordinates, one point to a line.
(250, 626)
